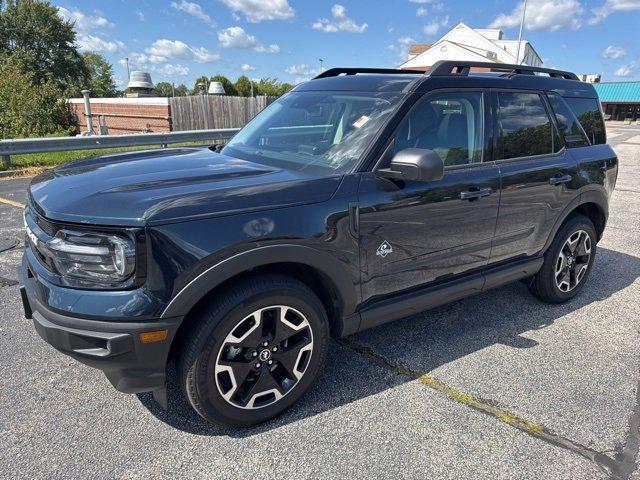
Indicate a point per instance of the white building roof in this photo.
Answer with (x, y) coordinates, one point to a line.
(464, 43)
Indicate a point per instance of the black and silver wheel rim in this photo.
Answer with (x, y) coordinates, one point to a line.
(264, 357)
(573, 261)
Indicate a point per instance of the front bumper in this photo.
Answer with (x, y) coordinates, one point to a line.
(111, 346)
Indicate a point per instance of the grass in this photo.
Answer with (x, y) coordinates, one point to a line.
(39, 161)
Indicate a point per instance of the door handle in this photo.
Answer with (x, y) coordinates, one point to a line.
(475, 194)
(558, 179)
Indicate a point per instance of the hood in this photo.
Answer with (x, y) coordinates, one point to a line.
(163, 186)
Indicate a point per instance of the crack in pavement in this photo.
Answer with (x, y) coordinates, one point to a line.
(618, 468)
(626, 455)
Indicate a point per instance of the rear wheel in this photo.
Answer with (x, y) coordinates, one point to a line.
(255, 351)
(567, 263)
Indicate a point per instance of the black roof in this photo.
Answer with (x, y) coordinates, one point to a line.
(450, 75)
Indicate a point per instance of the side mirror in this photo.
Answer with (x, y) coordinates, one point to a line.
(416, 164)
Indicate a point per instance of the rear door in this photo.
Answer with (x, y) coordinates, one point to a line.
(538, 174)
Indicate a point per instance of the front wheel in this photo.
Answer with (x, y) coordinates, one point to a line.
(255, 351)
(567, 263)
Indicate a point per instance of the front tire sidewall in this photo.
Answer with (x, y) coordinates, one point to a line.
(212, 405)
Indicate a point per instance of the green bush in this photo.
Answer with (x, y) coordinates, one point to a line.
(30, 108)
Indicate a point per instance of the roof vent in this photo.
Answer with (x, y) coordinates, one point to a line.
(140, 80)
(216, 88)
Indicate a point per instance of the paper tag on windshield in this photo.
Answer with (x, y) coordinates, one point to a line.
(361, 121)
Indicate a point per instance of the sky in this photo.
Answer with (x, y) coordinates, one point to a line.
(179, 40)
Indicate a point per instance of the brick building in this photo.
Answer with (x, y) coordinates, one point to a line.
(125, 115)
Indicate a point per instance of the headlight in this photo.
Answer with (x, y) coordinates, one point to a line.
(100, 258)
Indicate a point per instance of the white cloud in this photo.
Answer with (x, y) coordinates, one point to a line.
(302, 72)
(236, 37)
(260, 10)
(85, 26)
(141, 61)
(83, 23)
(245, 67)
(612, 6)
(90, 43)
(193, 9)
(613, 51)
(627, 70)
(401, 47)
(421, 11)
(174, 70)
(434, 26)
(420, 1)
(339, 22)
(164, 49)
(543, 15)
(141, 16)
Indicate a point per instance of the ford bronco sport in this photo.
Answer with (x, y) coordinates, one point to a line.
(362, 196)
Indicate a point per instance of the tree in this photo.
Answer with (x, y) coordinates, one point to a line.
(101, 81)
(32, 31)
(182, 91)
(30, 108)
(272, 87)
(243, 86)
(202, 80)
(163, 89)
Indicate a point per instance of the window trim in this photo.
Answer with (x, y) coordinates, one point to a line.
(550, 116)
(488, 140)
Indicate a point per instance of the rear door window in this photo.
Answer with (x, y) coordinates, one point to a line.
(524, 127)
(570, 128)
(588, 112)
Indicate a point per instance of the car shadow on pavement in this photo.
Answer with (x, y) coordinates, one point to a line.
(433, 338)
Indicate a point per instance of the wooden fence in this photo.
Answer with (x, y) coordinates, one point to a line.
(204, 112)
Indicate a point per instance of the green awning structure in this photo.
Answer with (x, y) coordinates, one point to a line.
(618, 92)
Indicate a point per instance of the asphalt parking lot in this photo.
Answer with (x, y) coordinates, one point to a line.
(498, 386)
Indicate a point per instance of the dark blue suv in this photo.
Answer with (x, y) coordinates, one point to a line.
(362, 196)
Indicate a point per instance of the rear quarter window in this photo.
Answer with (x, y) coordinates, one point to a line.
(588, 112)
(570, 128)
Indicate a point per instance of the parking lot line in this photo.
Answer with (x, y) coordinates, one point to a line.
(13, 203)
(612, 467)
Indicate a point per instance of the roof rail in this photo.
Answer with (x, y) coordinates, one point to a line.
(334, 72)
(452, 67)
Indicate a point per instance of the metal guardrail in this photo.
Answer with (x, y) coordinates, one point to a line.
(62, 144)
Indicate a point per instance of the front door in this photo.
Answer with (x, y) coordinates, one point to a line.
(416, 233)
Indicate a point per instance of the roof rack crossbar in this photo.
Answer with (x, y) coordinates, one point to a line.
(334, 72)
(451, 67)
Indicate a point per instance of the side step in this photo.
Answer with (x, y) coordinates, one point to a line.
(418, 301)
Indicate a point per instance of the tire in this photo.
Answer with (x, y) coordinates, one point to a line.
(561, 279)
(220, 349)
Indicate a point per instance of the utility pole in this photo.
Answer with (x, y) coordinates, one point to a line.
(173, 89)
(128, 73)
(524, 10)
(321, 62)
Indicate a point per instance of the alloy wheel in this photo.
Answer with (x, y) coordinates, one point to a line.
(264, 357)
(573, 261)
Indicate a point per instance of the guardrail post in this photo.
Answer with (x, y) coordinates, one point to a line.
(87, 111)
(6, 160)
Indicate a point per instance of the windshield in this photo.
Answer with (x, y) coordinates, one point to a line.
(327, 131)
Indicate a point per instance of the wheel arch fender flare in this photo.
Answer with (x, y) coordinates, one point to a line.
(236, 264)
(593, 195)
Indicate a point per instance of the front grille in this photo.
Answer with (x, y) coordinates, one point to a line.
(44, 224)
